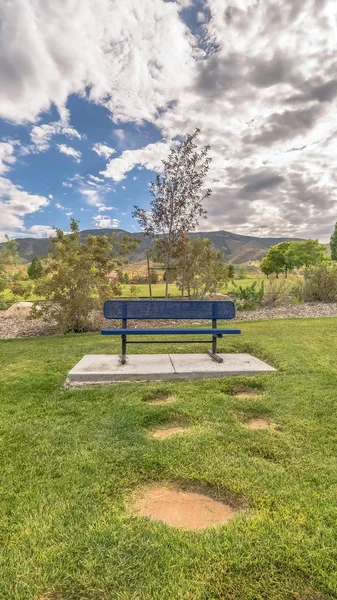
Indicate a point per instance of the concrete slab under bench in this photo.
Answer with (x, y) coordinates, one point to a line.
(106, 368)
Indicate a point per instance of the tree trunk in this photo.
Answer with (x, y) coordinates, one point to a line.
(149, 274)
(184, 272)
(168, 264)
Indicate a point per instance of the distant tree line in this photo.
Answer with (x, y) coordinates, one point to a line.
(286, 256)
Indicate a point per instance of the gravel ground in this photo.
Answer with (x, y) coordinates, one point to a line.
(19, 327)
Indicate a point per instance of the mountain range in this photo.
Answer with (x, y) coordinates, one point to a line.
(236, 248)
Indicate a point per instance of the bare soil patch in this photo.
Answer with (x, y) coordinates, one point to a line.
(260, 423)
(247, 395)
(162, 433)
(186, 510)
(159, 398)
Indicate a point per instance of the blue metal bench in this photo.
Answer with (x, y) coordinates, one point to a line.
(170, 310)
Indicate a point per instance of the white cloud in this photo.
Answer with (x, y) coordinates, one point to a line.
(93, 194)
(103, 150)
(96, 179)
(50, 196)
(7, 158)
(15, 203)
(263, 93)
(70, 213)
(185, 3)
(201, 17)
(60, 206)
(76, 154)
(149, 157)
(122, 54)
(104, 221)
(120, 134)
(102, 208)
(41, 135)
(92, 197)
(41, 231)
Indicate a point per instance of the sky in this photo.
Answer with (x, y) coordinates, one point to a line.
(93, 92)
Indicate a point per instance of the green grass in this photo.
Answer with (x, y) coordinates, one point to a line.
(71, 459)
(158, 290)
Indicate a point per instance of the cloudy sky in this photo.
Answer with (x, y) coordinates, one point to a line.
(92, 92)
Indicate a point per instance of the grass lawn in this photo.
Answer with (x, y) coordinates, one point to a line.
(71, 459)
(158, 289)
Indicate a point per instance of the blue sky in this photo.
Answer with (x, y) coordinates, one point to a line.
(92, 94)
(73, 184)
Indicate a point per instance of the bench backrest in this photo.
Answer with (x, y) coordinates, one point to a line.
(169, 309)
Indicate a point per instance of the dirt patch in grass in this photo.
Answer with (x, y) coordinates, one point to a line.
(247, 395)
(158, 398)
(51, 596)
(259, 423)
(162, 433)
(310, 595)
(183, 509)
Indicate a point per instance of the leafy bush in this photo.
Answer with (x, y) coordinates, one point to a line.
(4, 304)
(248, 297)
(10, 281)
(133, 292)
(35, 269)
(154, 276)
(75, 280)
(242, 272)
(319, 283)
(231, 271)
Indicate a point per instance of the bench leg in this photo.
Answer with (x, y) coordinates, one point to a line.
(123, 359)
(215, 356)
(213, 353)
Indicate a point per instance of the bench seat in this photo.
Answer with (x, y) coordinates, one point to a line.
(175, 331)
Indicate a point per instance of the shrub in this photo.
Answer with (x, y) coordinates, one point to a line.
(277, 291)
(140, 279)
(75, 277)
(319, 283)
(133, 292)
(231, 271)
(248, 297)
(35, 269)
(154, 276)
(242, 272)
(4, 304)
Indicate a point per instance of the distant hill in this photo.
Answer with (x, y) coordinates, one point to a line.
(236, 248)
